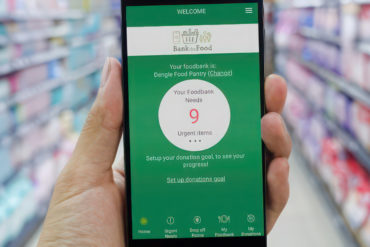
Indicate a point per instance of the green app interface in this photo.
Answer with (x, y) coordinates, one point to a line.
(194, 114)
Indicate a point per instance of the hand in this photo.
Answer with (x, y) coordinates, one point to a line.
(279, 144)
(89, 197)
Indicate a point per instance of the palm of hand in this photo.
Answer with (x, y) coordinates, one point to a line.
(91, 217)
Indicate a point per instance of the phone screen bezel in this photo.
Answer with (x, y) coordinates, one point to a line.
(260, 241)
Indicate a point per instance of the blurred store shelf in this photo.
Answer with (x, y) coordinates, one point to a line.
(364, 47)
(347, 87)
(351, 235)
(33, 124)
(320, 35)
(33, 163)
(351, 143)
(351, 239)
(28, 230)
(318, 50)
(344, 85)
(52, 84)
(4, 40)
(355, 1)
(44, 15)
(41, 88)
(318, 3)
(23, 37)
(307, 4)
(347, 139)
(37, 159)
(28, 61)
(54, 53)
(80, 41)
(117, 12)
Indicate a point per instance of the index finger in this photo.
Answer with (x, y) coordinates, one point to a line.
(275, 93)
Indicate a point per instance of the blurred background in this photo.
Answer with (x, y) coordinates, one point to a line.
(51, 54)
(322, 48)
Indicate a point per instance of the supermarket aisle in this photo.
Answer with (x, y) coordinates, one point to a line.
(322, 50)
(307, 220)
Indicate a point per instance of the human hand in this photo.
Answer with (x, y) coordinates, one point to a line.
(87, 204)
(278, 142)
(89, 197)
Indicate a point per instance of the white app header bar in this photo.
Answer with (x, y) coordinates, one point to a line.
(186, 40)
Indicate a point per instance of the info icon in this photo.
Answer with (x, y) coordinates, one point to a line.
(170, 220)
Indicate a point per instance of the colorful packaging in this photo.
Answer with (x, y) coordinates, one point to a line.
(361, 124)
(364, 31)
(5, 89)
(366, 79)
(365, 232)
(5, 167)
(357, 206)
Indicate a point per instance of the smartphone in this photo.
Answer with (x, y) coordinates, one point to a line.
(193, 101)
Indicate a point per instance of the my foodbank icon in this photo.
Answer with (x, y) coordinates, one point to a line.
(191, 36)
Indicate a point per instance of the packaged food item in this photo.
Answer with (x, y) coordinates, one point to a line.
(32, 107)
(6, 122)
(357, 205)
(366, 79)
(5, 89)
(6, 168)
(360, 122)
(32, 76)
(364, 32)
(365, 232)
(333, 168)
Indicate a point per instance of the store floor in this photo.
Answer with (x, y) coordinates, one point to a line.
(307, 220)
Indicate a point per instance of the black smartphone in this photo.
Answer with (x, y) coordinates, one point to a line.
(193, 100)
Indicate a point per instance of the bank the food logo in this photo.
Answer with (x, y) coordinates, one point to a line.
(190, 37)
(192, 40)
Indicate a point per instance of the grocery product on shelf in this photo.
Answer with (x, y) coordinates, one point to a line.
(321, 51)
(269, 41)
(364, 16)
(51, 53)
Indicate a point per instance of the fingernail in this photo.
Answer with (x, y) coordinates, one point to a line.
(105, 73)
(275, 77)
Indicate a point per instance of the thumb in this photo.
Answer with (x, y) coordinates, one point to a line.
(97, 146)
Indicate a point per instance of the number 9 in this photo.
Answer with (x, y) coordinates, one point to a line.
(194, 114)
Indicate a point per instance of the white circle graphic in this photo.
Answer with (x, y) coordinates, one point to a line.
(194, 115)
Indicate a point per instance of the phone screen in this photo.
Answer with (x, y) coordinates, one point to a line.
(194, 97)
